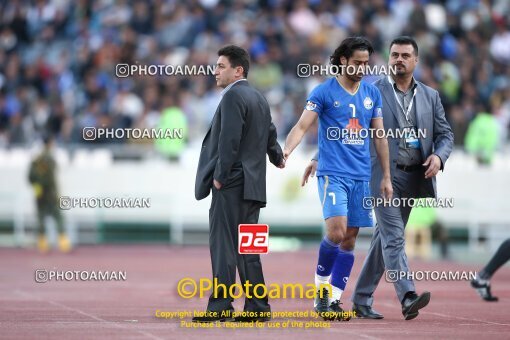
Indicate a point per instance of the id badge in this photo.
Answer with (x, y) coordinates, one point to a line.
(411, 139)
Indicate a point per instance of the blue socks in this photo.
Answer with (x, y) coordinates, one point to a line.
(342, 268)
(334, 265)
(328, 253)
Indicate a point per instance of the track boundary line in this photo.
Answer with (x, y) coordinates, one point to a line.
(467, 319)
(387, 304)
(58, 304)
(357, 334)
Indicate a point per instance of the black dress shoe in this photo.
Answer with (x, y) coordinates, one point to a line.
(366, 312)
(251, 319)
(413, 303)
(210, 316)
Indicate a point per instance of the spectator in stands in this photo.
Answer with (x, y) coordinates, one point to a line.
(482, 138)
(63, 54)
(172, 118)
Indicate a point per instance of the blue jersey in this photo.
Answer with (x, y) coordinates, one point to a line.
(344, 120)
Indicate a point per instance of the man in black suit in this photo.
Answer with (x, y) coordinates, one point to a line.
(233, 164)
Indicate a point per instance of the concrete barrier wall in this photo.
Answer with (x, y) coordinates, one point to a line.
(480, 194)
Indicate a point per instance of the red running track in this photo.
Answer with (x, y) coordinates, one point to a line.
(126, 309)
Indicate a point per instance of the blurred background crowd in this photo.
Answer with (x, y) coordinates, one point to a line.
(58, 57)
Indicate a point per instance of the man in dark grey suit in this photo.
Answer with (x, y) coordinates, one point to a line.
(414, 163)
(233, 164)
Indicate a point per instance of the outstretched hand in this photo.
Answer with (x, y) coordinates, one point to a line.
(282, 164)
(286, 154)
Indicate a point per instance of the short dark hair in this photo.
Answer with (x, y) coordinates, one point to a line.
(347, 48)
(405, 40)
(237, 56)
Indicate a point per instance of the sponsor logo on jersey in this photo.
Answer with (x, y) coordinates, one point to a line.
(368, 103)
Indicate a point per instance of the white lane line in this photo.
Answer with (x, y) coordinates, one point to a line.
(371, 323)
(355, 334)
(468, 319)
(387, 304)
(30, 296)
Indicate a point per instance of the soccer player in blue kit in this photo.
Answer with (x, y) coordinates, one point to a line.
(345, 106)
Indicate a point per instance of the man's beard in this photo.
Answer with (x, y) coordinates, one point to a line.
(400, 69)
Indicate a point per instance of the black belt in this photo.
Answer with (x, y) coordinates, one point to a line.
(409, 168)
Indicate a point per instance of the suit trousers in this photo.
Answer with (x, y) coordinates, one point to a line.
(387, 249)
(228, 210)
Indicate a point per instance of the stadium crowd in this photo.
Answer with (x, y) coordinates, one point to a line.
(58, 58)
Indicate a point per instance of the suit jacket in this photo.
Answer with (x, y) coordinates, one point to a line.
(430, 117)
(240, 135)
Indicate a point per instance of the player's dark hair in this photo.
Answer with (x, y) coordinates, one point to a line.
(405, 40)
(237, 56)
(347, 48)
